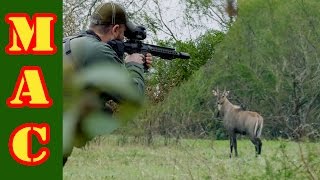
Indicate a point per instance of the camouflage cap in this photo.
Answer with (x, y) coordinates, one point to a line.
(109, 13)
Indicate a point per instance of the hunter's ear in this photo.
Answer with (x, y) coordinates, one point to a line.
(115, 28)
(214, 92)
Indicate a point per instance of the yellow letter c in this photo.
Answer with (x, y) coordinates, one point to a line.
(20, 143)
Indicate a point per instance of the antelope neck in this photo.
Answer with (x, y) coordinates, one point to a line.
(226, 105)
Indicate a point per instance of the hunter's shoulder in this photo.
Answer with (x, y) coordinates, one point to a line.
(89, 48)
(91, 43)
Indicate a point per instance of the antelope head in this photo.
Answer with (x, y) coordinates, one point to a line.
(221, 97)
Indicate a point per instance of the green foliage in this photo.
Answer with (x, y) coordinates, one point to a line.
(170, 74)
(83, 116)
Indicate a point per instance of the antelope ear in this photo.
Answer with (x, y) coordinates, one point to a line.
(214, 93)
(226, 93)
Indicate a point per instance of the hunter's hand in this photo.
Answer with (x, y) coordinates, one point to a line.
(135, 57)
(148, 59)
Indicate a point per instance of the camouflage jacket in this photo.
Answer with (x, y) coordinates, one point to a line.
(88, 49)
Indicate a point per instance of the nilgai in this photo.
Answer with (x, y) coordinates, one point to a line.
(238, 121)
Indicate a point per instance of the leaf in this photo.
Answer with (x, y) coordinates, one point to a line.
(98, 123)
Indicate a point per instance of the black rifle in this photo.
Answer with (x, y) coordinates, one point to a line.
(134, 44)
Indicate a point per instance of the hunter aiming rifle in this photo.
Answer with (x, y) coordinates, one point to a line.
(134, 44)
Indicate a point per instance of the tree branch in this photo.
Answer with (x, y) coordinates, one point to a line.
(162, 21)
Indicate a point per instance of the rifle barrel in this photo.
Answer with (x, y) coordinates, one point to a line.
(165, 52)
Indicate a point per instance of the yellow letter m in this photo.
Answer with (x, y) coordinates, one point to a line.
(28, 36)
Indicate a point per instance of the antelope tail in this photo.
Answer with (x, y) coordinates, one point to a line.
(258, 128)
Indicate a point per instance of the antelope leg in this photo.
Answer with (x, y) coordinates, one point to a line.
(255, 143)
(234, 138)
(259, 145)
(231, 145)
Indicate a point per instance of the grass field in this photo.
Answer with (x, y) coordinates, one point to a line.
(119, 157)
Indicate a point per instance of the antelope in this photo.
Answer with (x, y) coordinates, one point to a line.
(238, 121)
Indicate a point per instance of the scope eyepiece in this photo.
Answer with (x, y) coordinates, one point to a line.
(135, 32)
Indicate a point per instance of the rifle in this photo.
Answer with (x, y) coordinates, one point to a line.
(134, 44)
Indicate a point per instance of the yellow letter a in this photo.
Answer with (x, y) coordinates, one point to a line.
(30, 90)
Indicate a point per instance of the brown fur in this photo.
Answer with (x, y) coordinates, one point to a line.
(237, 121)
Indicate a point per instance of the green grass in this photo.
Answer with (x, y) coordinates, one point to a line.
(119, 157)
